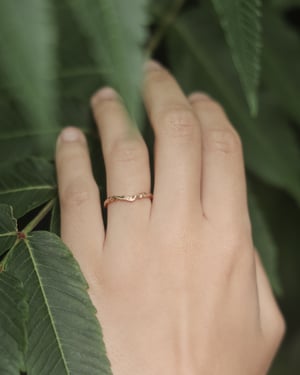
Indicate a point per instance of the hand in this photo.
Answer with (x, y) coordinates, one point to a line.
(176, 282)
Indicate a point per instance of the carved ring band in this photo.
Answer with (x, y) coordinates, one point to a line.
(127, 198)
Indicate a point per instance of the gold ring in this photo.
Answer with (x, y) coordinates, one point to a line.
(127, 198)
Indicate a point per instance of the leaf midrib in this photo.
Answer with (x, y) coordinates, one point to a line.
(35, 266)
(29, 188)
(8, 234)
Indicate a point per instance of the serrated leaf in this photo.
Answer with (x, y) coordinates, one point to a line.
(28, 57)
(27, 184)
(264, 243)
(13, 315)
(116, 30)
(8, 228)
(201, 62)
(241, 21)
(64, 336)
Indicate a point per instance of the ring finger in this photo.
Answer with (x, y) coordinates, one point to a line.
(126, 162)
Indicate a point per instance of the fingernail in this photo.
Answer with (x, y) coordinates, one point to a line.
(152, 65)
(70, 134)
(105, 93)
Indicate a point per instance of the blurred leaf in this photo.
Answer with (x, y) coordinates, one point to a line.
(8, 228)
(27, 184)
(17, 142)
(200, 61)
(116, 31)
(281, 63)
(281, 4)
(64, 336)
(264, 243)
(28, 57)
(242, 25)
(14, 310)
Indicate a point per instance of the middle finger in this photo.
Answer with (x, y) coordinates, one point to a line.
(177, 143)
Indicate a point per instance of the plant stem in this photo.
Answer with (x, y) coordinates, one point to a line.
(165, 21)
(29, 227)
(39, 217)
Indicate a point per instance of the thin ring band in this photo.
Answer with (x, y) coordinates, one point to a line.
(127, 198)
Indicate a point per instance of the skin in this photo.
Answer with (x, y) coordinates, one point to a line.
(177, 284)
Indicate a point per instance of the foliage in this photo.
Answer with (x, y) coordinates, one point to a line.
(53, 58)
(33, 39)
(240, 20)
(14, 312)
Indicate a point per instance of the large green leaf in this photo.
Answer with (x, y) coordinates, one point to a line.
(27, 184)
(201, 62)
(17, 142)
(242, 24)
(64, 337)
(13, 315)
(264, 242)
(8, 228)
(116, 30)
(27, 47)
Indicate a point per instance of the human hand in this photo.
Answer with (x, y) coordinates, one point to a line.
(176, 282)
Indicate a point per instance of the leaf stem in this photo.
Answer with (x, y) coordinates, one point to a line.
(29, 227)
(165, 22)
(39, 217)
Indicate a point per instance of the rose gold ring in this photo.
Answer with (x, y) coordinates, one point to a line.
(127, 198)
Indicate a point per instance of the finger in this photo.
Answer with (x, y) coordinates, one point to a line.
(272, 322)
(223, 177)
(81, 222)
(177, 143)
(126, 162)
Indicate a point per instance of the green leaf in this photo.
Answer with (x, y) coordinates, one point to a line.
(55, 218)
(242, 25)
(27, 184)
(64, 336)
(264, 243)
(8, 228)
(27, 143)
(201, 62)
(13, 315)
(116, 31)
(283, 4)
(17, 142)
(281, 63)
(28, 54)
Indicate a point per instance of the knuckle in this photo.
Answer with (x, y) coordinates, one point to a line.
(224, 140)
(78, 192)
(128, 151)
(177, 122)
